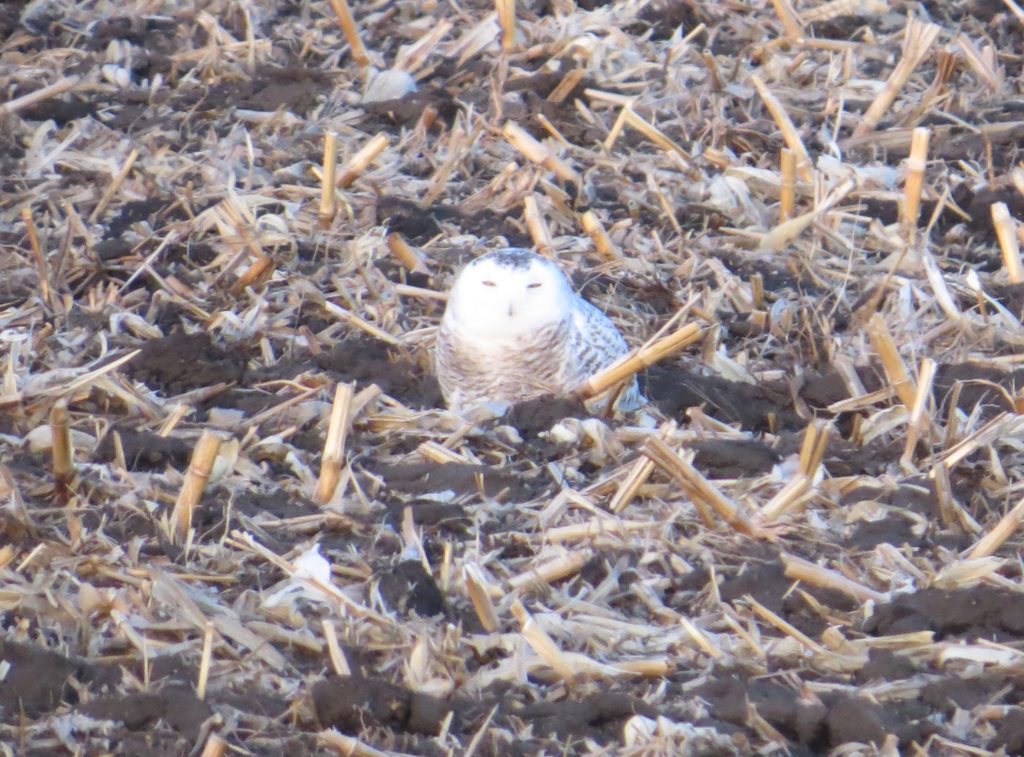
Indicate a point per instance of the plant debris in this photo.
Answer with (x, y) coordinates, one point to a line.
(235, 515)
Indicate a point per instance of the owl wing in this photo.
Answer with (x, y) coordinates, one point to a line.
(596, 343)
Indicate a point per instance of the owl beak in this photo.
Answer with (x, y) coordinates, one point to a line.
(511, 310)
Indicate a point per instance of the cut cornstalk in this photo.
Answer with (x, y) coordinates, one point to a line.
(1009, 245)
(480, 596)
(37, 253)
(536, 152)
(918, 420)
(63, 454)
(359, 162)
(625, 367)
(698, 487)
(338, 661)
(348, 27)
(785, 124)
(59, 87)
(892, 363)
(333, 459)
(199, 470)
(552, 570)
(602, 242)
(115, 185)
(786, 498)
(215, 746)
(918, 38)
(813, 448)
(327, 179)
(1003, 530)
(916, 163)
(404, 253)
(538, 228)
(787, 187)
(204, 661)
(507, 21)
(815, 575)
(541, 643)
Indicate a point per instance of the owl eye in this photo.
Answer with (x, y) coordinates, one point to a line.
(488, 283)
(534, 285)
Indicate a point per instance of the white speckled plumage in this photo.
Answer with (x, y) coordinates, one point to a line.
(514, 329)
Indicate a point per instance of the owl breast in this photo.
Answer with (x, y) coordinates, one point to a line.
(474, 372)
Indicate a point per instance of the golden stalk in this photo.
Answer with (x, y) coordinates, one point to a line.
(596, 527)
(538, 228)
(338, 661)
(115, 185)
(404, 253)
(327, 178)
(541, 643)
(351, 31)
(616, 130)
(653, 133)
(567, 85)
(1009, 245)
(215, 746)
(700, 638)
(980, 64)
(552, 570)
(480, 596)
(813, 448)
(892, 363)
(787, 187)
(809, 573)
(37, 253)
(507, 21)
(359, 162)
(918, 39)
(916, 163)
(348, 746)
(333, 459)
(204, 661)
(790, 20)
(257, 271)
(786, 498)
(59, 87)
(785, 124)
(629, 486)
(650, 354)
(1003, 530)
(698, 487)
(757, 291)
(602, 242)
(551, 129)
(949, 511)
(918, 420)
(536, 152)
(199, 470)
(62, 451)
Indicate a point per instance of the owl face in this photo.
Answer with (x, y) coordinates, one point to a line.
(507, 293)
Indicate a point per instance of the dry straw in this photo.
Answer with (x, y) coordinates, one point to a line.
(918, 39)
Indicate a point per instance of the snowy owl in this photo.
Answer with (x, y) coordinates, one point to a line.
(514, 330)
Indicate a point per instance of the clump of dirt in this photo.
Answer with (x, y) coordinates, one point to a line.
(180, 362)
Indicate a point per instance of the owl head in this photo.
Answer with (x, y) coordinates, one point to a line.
(507, 293)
